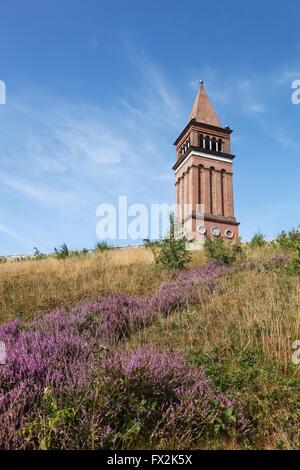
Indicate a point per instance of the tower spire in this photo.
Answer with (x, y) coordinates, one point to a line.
(203, 110)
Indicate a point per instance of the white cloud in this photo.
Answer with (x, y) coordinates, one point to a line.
(92, 141)
(70, 156)
(155, 97)
(280, 136)
(45, 195)
(257, 108)
(287, 76)
(4, 229)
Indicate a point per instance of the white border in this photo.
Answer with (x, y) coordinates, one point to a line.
(203, 154)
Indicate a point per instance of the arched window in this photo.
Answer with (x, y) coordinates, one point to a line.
(200, 140)
(220, 145)
(207, 143)
(213, 144)
(211, 192)
(223, 172)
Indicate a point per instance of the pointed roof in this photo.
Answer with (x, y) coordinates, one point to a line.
(203, 110)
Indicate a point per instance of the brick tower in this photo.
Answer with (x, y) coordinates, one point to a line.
(203, 172)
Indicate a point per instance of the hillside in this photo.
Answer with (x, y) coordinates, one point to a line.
(108, 351)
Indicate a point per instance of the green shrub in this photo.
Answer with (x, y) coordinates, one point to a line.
(171, 252)
(289, 241)
(218, 250)
(102, 246)
(293, 266)
(47, 427)
(62, 252)
(258, 239)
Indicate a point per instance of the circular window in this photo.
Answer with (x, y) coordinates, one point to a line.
(201, 229)
(229, 233)
(215, 231)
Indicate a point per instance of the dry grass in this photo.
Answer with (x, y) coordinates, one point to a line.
(243, 334)
(28, 287)
(247, 310)
(32, 286)
(261, 253)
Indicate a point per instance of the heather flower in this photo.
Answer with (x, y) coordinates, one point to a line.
(279, 260)
(121, 313)
(61, 351)
(167, 396)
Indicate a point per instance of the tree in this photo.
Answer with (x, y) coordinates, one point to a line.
(258, 239)
(171, 251)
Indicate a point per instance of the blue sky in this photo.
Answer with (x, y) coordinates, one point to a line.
(97, 92)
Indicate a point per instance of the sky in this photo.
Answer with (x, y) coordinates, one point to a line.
(97, 92)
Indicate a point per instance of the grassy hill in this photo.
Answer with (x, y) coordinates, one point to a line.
(109, 351)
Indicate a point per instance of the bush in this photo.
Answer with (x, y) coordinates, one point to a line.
(102, 246)
(218, 250)
(289, 241)
(58, 391)
(155, 396)
(258, 239)
(293, 266)
(171, 252)
(62, 252)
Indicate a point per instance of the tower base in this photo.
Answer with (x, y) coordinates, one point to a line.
(211, 227)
